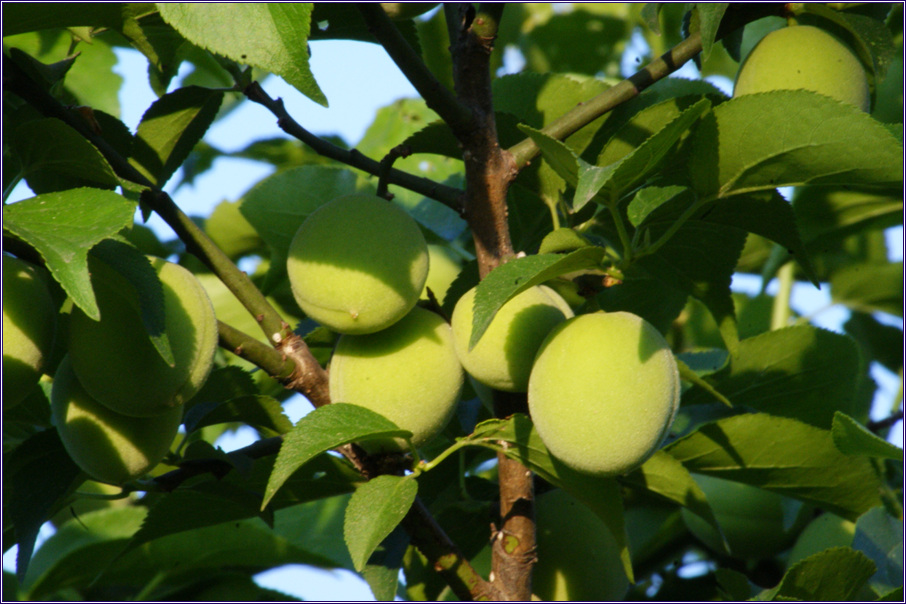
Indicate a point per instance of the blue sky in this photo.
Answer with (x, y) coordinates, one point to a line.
(357, 79)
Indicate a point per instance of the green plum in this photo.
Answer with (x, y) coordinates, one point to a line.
(445, 266)
(578, 558)
(408, 373)
(29, 317)
(603, 392)
(804, 57)
(400, 11)
(114, 358)
(358, 264)
(108, 446)
(503, 357)
(825, 531)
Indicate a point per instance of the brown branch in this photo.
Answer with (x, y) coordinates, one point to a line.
(489, 169)
(437, 96)
(737, 15)
(449, 196)
(513, 547)
(489, 172)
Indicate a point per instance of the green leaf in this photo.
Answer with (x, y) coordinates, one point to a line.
(322, 477)
(278, 205)
(709, 16)
(36, 474)
(649, 199)
(788, 138)
(830, 214)
(546, 47)
(517, 438)
(664, 475)
(880, 537)
(818, 578)
(880, 342)
(273, 37)
(170, 128)
(623, 174)
(68, 163)
(79, 551)
(785, 456)
(382, 573)
(852, 438)
(766, 214)
(537, 99)
(698, 259)
(375, 509)
(870, 287)
(249, 545)
(562, 240)
(295, 524)
(63, 226)
(651, 298)
(92, 81)
(564, 161)
(18, 18)
(192, 507)
(323, 429)
(518, 275)
(801, 372)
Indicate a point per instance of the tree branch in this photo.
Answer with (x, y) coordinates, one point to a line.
(489, 169)
(197, 242)
(449, 196)
(489, 172)
(736, 16)
(587, 112)
(245, 346)
(513, 548)
(436, 95)
(308, 376)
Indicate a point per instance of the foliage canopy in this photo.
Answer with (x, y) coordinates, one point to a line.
(645, 195)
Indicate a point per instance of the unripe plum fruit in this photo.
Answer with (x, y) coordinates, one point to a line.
(444, 267)
(358, 264)
(408, 373)
(29, 317)
(114, 358)
(108, 446)
(825, 531)
(400, 11)
(804, 57)
(503, 357)
(603, 392)
(578, 557)
(751, 519)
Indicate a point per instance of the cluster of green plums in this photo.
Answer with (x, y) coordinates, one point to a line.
(602, 388)
(116, 403)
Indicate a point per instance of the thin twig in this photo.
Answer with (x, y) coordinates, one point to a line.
(449, 196)
(436, 95)
(197, 242)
